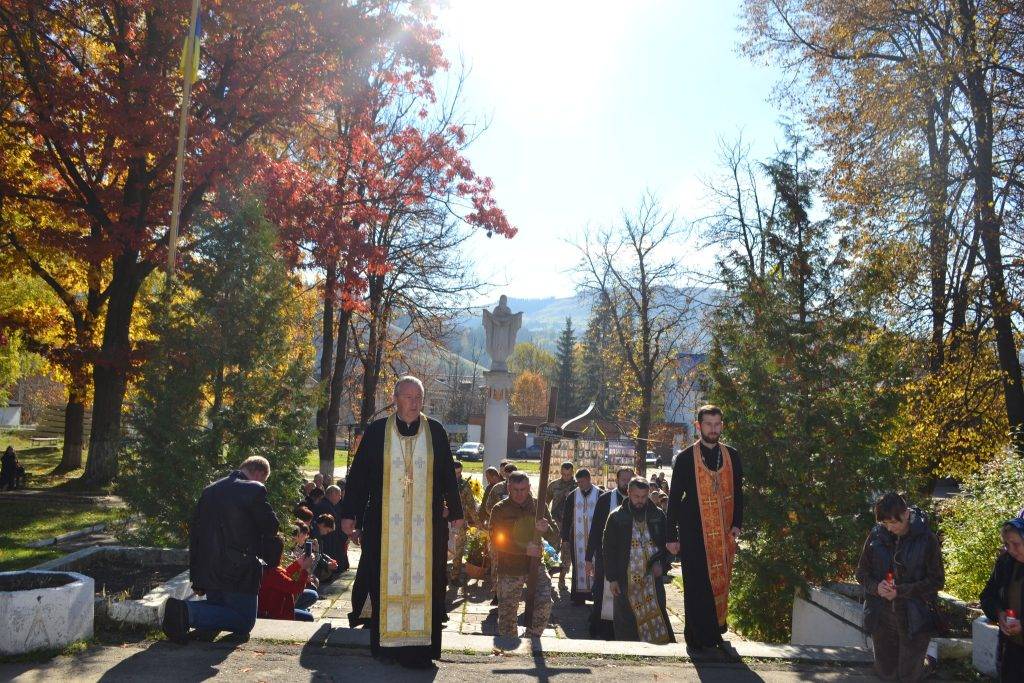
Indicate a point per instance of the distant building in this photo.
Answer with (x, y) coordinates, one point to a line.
(685, 393)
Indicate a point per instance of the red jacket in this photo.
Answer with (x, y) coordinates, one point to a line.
(278, 591)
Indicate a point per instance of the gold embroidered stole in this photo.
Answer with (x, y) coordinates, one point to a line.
(407, 528)
(715, 500)
(642, 595)
(583, 515)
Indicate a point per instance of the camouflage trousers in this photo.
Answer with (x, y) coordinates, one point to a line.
(510, 593)
(458, 549)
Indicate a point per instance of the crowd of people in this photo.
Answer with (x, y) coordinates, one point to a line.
(407, 504)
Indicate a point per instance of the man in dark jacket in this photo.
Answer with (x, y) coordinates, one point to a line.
(227, 532)
(601, 617)
(334, 543)
(901, 573)
(635, 559)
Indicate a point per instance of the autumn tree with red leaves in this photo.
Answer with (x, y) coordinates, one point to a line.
(94, 93)
(375, 201)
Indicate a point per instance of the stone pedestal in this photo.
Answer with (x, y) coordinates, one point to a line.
(499, 386)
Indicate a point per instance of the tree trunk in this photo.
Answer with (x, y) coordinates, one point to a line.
(74, 428)
(110, 373)
(643, 429)
(988, 223)
(334, 398)
(374, 351)
(325, 445)
(938, 243)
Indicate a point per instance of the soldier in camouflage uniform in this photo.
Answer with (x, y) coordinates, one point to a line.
(513, 522)
(472, 519)
(498, 492)
(558, 492)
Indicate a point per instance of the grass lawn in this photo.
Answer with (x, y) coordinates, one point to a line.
(528, 466)
(313, 460)
(23, 522)
(29, 520)
(39, 460)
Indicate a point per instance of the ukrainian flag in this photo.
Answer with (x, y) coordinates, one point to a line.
(190, 52)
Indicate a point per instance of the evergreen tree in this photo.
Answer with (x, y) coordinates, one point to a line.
(569, 403)
(807, 388)
(596, 364)
(226, 380)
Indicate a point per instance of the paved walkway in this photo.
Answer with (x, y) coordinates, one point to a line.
(470, 611)
(311, 661)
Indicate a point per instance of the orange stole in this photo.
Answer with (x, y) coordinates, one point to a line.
(715, 500)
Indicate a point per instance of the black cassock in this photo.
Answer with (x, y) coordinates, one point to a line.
(600, 628)
(684, 525)
(364, 486)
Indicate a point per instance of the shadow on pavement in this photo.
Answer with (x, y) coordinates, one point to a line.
(540, 669)
(158, 661)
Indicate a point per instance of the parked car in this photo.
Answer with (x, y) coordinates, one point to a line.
(532, 452)
(470, 450)
(653, 459)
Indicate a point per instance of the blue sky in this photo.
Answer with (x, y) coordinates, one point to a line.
(591, 103)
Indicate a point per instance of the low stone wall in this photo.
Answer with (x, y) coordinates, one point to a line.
(147, 610)
(829, 617)
(48, 617)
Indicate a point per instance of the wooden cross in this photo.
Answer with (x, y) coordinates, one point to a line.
(548, 433)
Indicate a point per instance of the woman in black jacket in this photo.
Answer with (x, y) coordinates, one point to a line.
(901, 573)
(1005, 592)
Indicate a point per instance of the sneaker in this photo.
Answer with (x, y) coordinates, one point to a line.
(175, 621)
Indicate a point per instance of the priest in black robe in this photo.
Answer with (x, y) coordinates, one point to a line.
(578, 508)
(365, 497)
(705, 511)
(602, 626)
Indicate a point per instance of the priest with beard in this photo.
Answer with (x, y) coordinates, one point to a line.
(705, 515)
(635, 559)
(602, 615)
(575, 524)
(400, 482)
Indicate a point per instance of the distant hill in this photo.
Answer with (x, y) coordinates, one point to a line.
(543, 320)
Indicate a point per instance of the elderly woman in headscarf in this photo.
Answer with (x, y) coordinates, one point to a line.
(1003, 601)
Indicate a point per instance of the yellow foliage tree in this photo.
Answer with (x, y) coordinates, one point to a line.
(529, 394)
(952, 421)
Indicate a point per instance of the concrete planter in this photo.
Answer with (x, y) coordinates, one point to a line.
(147, 610)
(44, 610)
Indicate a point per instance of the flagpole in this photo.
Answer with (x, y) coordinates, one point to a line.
(179, 164)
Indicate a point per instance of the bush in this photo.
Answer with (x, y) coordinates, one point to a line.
(971, 521)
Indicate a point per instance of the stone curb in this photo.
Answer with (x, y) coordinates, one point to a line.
(337, 634)
(42, 543)
(78, 533)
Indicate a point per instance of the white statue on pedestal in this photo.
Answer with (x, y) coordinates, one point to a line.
(501, 327)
